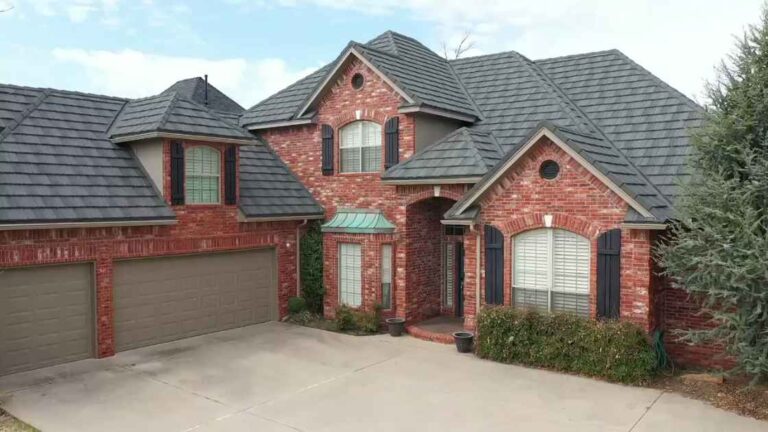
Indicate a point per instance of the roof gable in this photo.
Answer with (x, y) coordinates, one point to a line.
(424, 80)
(592, 152)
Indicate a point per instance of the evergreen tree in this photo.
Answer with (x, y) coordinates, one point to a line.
(718, 249)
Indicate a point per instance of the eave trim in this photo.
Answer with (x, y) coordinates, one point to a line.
(172, 135)
(279, 124)
(62, 225)
(432, 181)
(437, 112)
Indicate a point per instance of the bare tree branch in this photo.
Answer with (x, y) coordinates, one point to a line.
(7, 9)
(463, 46)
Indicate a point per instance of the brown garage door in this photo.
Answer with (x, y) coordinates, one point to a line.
(46, 316)
(163, 299)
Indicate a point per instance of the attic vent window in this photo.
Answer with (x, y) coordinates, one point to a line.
(549, 170)
(357, 81)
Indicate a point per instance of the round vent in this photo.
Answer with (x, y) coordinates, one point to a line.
(357, 81)
(549, 170)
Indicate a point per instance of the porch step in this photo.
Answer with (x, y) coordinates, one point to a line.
(421, 333)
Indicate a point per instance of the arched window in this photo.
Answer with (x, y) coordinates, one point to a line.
(551, 271)
(201, 175)
(360, 147)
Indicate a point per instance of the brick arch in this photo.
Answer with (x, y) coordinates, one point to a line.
(429, 192)
(564, 221)
(349, 116)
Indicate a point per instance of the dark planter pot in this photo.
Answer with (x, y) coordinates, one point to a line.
(395, 326)
(463, 341)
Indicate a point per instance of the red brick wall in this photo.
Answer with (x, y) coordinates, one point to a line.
(578, 202)
(679, 311)
(300, 148)
(203, 228)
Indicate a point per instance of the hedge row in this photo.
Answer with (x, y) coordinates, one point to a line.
(616, 351)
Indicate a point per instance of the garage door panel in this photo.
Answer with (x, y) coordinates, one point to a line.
(46, 316)
(164, 299)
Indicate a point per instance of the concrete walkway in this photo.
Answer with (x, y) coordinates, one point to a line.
(278, 378)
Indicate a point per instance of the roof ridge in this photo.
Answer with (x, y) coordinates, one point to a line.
(72, 92)
(390, 35)
(586, 54)
(499, 54)
(24, 114)
(171, 105)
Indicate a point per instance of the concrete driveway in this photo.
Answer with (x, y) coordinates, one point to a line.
(278, 377)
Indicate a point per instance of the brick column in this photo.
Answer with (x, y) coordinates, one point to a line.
(636, 277)
(471, 244)
(105, 311)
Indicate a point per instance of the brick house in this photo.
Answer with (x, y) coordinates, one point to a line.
(442, 186)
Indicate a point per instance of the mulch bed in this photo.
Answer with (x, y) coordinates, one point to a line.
(318, 322)
(733, 395)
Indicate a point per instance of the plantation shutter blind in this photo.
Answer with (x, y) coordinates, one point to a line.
(177, 173)
(531, 273)
(327, 149)
(449, 274)
(392, 142)
(551, 271)
(570, 288)
(350, 274)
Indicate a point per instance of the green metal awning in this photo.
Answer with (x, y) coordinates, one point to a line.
(359, 221)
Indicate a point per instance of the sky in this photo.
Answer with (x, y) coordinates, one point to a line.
(253, 48)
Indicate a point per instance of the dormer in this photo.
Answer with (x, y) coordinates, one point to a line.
(189, 151)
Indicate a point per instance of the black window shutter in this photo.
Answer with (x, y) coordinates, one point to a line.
(177, 173)
(494, 266)
(609, 274)
(392, 142)
(327, 136)
(230, 175)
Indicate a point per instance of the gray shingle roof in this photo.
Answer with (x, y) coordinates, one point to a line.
(57, 164)
(464, 153)
(284, 104)
(194, 89)
(425, 76)
(646, 118)
(172, 113)
(269, 188)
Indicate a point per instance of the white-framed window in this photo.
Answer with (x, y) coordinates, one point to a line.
(202, 171)
(551, 271)
(350, 274)
(386, 276)
(360, 147)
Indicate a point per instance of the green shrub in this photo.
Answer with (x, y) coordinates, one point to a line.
(312, 289)
(614, 350)
(296, 305)
(345, 320)
(356, 320)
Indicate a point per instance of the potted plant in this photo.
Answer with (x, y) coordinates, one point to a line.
(395, 326)
(463, 340)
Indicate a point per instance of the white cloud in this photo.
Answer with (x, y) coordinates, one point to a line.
(679, 40)
(133, 73)
(76, 10)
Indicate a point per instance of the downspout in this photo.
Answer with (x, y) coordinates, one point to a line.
(298, 256)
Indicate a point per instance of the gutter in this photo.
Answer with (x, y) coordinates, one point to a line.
(60, 225)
